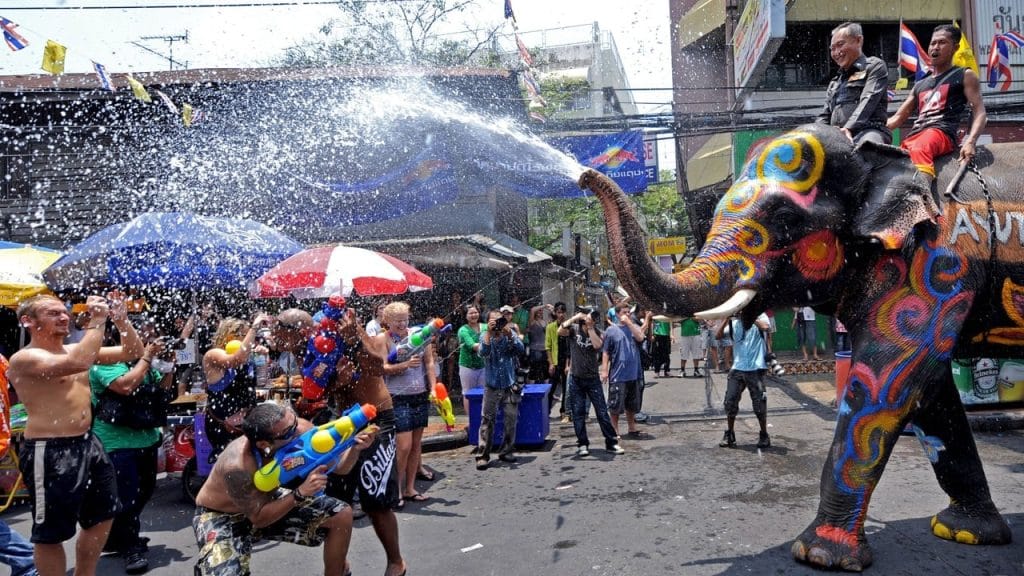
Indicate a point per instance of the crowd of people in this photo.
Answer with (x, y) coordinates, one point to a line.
(97, 384)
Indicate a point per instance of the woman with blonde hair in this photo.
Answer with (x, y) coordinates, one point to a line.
(230, 388)
(409, 383)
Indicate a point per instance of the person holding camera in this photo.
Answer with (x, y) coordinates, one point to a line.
(500, 346)
(585, 342)
(129, 408)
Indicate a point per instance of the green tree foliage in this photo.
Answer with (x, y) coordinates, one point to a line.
(660, 209)
(398, 32)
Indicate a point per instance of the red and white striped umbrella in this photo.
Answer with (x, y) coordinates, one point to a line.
(324, 270)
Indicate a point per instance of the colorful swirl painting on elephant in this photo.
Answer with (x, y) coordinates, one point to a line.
(858, 233)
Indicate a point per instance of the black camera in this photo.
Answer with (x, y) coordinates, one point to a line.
(500, 323)
(172, 342)
(594, 314)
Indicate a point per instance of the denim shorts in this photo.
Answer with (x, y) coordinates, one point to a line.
(411, 411)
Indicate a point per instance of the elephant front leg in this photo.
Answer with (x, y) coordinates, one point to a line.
(865, 434)
(971, 517)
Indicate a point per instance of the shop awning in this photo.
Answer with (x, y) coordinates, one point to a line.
(700, 20)
(711, 164)
(495, 251)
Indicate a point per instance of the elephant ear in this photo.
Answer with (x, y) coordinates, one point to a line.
(896, 196)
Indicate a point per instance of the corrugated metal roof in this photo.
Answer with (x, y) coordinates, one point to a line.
(89, 81)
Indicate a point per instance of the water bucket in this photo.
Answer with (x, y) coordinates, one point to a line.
(842, 374)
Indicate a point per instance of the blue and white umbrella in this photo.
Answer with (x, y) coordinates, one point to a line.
(172, 250)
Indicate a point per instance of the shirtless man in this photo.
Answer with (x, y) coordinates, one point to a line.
(59, 452)
(375, 475)
(232, 514)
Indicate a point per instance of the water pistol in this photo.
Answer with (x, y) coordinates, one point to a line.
(320, 446)
(324, 350)
(443, 403)
(417, 340)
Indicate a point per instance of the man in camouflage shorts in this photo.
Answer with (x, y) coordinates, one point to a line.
(232, 514)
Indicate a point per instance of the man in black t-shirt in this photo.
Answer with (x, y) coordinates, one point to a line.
(941, 101)
(585, 362)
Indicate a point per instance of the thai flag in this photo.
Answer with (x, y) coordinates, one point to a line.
(999, 63)
(891, 94)
(1014, 37)
(508, 11)
(14, 40)
(524, 54)
(912, 57)
(101, 73)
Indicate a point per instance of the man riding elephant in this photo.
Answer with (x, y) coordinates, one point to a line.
(941, 99)
(811, 222)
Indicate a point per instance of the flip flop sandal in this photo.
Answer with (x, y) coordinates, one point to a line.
(417, 497)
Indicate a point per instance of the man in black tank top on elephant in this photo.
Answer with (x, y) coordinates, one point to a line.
(941, 99)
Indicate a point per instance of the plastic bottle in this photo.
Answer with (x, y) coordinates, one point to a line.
(261, 368)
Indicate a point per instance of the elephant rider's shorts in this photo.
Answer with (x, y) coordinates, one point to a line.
(226, 540)
(753, 381)
(70, 480)
(925, 146)
(624, 396)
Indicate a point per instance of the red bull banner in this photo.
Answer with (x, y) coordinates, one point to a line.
(620, 156)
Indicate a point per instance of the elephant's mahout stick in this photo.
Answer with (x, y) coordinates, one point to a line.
(951, 189)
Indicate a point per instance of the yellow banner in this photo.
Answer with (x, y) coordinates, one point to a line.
(666, 246)
(53, 57)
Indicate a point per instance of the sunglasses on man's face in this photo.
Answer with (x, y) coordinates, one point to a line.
(290, 431)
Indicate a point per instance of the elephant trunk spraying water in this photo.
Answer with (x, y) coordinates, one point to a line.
(812, 221)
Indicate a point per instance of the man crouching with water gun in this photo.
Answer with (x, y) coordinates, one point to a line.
(232, 513)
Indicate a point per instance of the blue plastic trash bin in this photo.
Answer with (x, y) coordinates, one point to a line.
(532, 427)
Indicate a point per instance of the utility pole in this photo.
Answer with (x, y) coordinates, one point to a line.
(171, 62)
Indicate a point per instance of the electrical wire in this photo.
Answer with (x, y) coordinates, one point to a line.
(272, 4)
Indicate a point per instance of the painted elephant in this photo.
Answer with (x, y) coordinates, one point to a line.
(859, 234)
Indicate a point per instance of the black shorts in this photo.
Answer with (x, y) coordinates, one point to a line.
(623, 396)
(374, 473)
(70, 481)
(411, 411)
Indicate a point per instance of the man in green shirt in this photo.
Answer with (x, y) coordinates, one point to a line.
(662, 347)
(690, 346)
(129, 407)
(557, 350)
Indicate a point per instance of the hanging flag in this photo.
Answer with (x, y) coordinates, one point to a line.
(532, 87)
(138, 89)
(186, 114)
(14, 40)
(536, 115)
(912, 57)
(902, 84)
(891, 94)
(53, 57)
(167, 102)
(999, 63)
(101, 73)
(508, 11)
(524, 54)
(1014, 37)
(964, 56)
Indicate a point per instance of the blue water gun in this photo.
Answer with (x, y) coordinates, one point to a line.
(417, 340)
(324, 350)
(320, 446)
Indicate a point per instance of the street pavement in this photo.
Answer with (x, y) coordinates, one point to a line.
(675, 503)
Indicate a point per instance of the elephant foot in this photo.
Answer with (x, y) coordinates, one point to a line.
(832, 548)
(983, 525)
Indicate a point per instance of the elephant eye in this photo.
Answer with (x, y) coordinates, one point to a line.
(788, 224)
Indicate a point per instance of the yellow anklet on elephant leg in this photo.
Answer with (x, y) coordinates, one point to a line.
(944, 532)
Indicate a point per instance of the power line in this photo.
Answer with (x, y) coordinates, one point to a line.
(217, 5)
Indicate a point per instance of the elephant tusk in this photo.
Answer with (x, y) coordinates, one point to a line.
(731, 306)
